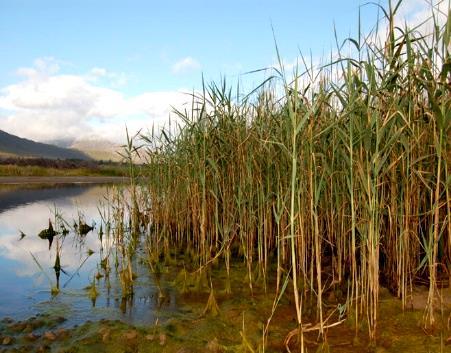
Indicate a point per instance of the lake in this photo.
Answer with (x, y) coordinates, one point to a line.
(27, 273)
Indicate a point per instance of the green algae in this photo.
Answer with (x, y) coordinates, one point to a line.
(234, 323)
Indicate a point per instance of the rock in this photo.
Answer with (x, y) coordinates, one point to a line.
(162, 339)
(28, 328)
(150, 337)
(62, 333)
(32, 337)
(37, 323)
(60, 319)
(7, 340)
(18, 326)
(49, 335)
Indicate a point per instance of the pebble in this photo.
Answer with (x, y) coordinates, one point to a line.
(18, 326)
(61, 319)
(7, 340)
(28, 328)
(49, 335)
(62, 333)
(32, 337)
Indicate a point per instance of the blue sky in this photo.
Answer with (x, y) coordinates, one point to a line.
(137, 51)
(145, 39)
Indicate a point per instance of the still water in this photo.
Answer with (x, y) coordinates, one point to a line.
(26, 282)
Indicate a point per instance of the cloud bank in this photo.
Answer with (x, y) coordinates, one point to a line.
(47, 105)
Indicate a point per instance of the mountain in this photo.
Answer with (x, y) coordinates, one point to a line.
(98, 148)
(11, 145)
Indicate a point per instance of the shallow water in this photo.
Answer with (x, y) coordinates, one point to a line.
(25, 289)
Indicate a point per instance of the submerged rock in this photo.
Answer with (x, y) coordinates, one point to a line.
(49, 335)
(7, 340)
(32, 337)
(62, 333)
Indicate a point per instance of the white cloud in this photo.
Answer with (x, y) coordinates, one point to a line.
(102, 75)
(186, 65)
(417, 15)
(46, 105)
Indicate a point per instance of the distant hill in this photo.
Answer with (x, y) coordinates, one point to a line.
(98, 148)
(95, 147)
(11, 145)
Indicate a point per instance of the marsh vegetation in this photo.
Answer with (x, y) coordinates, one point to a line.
(311, 214)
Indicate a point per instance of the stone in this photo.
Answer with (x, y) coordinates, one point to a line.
(28, 328)
(32, 337)
(7, 340)
(49, 335)
(62, 333)
(18, 326)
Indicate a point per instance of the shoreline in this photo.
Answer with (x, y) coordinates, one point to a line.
(19, 180)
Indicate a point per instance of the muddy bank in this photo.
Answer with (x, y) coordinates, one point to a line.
(233, 321)
(61, 180)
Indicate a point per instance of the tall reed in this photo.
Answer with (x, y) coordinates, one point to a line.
(342, 180)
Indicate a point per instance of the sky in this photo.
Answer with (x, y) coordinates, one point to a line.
(88, 68)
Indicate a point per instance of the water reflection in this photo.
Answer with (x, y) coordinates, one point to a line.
(27, 265)
(16, 195)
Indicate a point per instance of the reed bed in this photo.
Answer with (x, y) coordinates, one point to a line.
(340, 182)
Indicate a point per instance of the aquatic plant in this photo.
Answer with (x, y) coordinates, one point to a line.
(48, 234)
(342, 180)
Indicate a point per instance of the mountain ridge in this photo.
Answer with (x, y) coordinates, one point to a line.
(12, 145)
